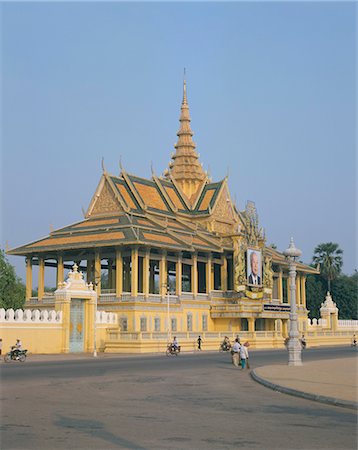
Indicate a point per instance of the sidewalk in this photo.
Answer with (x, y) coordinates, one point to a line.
(333, 381)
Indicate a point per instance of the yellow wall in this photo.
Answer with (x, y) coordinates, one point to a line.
(37, 338)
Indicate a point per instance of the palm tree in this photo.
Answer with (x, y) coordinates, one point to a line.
(329, 257)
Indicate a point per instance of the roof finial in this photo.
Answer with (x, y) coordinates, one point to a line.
(103, 168)
(184, 87)
(120, 163)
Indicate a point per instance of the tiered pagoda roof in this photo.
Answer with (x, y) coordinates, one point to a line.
(181, 211)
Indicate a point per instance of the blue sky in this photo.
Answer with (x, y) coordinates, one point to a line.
(272, 95)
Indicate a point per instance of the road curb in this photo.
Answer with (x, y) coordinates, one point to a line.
(308, 396)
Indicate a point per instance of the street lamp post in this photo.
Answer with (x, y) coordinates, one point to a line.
(168, 315)
(294, 345)
(95, 328)
(96, 282)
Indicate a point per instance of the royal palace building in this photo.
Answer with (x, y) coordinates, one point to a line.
(172, 253)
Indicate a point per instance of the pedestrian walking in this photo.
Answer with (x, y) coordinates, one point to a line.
(235, 353)
(199, 343)
(244, 354)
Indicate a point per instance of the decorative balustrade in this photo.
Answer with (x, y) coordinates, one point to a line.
(30, 316)
(351, 324)
(109, 318)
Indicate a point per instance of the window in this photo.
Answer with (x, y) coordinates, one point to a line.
(244, 325)
(127, 274)
(123, 323)
(186, 278)
(174, 325)
(189, 322)
(230, 284)
(217, 277)
(156, 324)
(153, 276)
(143, 324)
(201, 277)
(275, 288)
(284, 290)
(140, 273)
(205, 322)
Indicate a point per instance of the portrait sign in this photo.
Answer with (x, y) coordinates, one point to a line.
(254, 267)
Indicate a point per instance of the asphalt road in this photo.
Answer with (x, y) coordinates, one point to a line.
(193, 401)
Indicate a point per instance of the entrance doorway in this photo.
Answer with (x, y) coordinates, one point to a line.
(77, 319)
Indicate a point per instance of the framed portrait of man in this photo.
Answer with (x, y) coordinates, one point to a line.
(254, 267)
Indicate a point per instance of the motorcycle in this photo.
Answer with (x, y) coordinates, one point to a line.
(303, 343)
(225, 347)
(172, 350)
(15, 355)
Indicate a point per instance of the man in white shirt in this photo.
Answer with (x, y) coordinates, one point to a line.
(236, 353)
(254, 277)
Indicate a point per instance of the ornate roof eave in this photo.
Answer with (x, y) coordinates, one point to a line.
(199, 192)
(181, 192)
(95, 196)
(133, 189)
(164, 193)
(117, 194)
(279, 258)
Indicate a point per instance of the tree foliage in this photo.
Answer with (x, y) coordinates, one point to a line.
(329, 256)
(12, 290)
(344, 290)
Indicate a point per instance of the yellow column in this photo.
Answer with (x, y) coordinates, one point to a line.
(251, 323)
(134, 272)
(97, 272)
(28, 278)
(179, 270)
(303, 290)
(65, 306)
(60, 270)
(41, 282)
(280, 289)
(119, 273)
(285, 328)
(163, 277)
(89, 320)
(194, 275)
(224, 274)
(209, 285)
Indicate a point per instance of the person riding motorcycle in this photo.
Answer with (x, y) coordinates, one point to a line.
(303, 341)
(226, 344)
(15, 349)
(175, 344)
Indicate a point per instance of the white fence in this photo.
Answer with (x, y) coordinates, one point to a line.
(30, 316)
(351, 324)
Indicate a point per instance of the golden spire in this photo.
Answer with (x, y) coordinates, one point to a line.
(185, 167)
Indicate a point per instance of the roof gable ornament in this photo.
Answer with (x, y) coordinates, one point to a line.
(253, 233)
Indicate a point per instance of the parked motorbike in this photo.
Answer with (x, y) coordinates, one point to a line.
(303, 343)
(172, 350)
(225, 347)
(15, 355)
